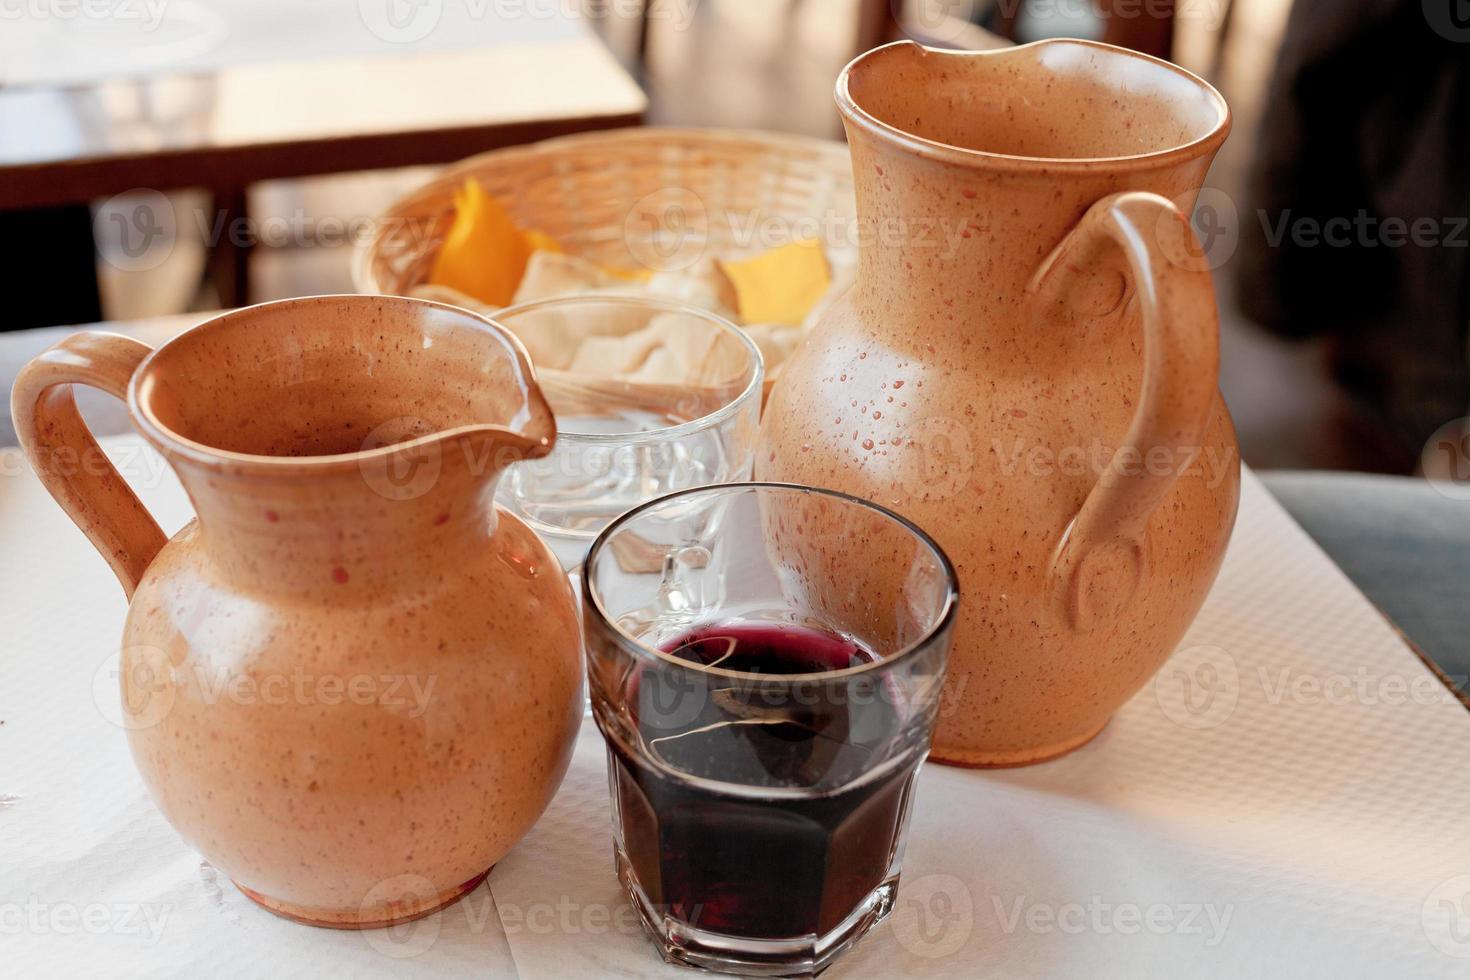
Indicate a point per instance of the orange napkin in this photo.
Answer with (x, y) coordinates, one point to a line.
(780, 285)
(485, 253)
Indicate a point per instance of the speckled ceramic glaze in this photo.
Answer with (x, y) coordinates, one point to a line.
(1027, 368)
(352, 683)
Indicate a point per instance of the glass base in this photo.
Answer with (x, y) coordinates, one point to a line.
(798, 956)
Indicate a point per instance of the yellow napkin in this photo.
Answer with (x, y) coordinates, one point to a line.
(781, 285)
(485, 253)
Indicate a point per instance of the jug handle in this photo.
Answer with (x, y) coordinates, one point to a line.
(1102, 555)
(68, 459)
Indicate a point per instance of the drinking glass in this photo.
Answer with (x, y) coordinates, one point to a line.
(650, 397)
(765, 662)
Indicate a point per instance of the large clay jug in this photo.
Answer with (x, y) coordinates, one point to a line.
(1026, 367)
(352, 683)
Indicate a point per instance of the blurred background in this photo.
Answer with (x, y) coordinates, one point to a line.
(1335, 216)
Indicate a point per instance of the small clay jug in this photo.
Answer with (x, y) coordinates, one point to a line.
(1027, 368)
(352, 682)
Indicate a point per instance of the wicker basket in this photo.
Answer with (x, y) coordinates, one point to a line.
(657, 198)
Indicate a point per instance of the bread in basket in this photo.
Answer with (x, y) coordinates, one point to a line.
(652, 199)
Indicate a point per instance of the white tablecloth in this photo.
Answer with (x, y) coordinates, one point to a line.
(1287, 798)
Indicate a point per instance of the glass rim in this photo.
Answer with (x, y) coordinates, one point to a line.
(708, 420)
(943, 621)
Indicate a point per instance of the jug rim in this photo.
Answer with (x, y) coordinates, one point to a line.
(949, 152)
(168, 441)
(600, 616)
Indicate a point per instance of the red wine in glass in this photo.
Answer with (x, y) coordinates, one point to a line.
(738, 812)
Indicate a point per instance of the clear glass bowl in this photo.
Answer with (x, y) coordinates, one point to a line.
(650, 397)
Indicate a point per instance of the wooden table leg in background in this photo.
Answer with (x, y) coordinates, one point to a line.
(878, 23)
(1003, 21)
(228, 267)
(1143, 26)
